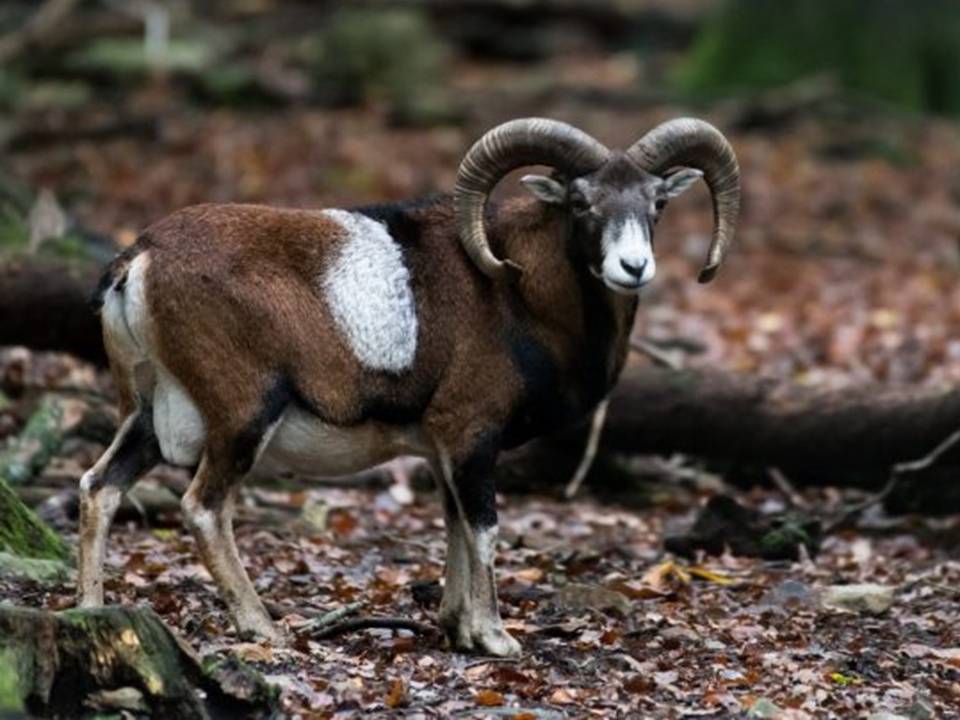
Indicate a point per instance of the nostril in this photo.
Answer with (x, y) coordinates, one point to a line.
(632, 268)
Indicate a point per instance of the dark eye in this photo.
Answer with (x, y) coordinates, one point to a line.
(579, 205)
(660, 203)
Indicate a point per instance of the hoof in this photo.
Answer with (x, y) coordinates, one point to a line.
(498, 643)
(480, 638)
(259, 629)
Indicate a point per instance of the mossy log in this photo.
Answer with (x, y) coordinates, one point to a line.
(78, 663)
(23, 533)
(27, 453)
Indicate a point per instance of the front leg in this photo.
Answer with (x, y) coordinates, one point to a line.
(469, 613)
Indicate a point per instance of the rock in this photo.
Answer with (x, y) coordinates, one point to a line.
(867, 597)
(577, 596)
(315, 516)
(887, 716)
(764, 708)
(681, 634)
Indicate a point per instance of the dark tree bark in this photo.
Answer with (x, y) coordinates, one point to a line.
(745, 425)
(44, 304)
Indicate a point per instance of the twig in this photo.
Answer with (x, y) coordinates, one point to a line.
(367, 623)
(279, 610)
(896, 472)
(659, 357)
(494, 660)
(590, 450)
(330, 618)
(787, 489)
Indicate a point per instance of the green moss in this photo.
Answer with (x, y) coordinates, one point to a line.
(906, 53)
(15, 234)
(126, 58)
(36, 569)
(23, 533)
(30, 451)
(11, 692)
(782, 541)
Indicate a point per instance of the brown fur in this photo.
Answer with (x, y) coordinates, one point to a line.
(234, 301)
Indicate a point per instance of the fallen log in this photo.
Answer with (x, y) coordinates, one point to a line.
(117, 660)
(25, 455)
(744, 425)
(44, 305)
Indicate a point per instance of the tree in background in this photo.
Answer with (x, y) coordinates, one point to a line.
(904, 52)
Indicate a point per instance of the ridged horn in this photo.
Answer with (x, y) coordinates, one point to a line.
(527, 141)
(698, 144)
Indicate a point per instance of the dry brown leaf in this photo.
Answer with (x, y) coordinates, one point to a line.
(488, 698)
(253, 652)
(397, 696)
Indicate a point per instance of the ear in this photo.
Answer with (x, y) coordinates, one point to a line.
(545, 189)
(679, 182)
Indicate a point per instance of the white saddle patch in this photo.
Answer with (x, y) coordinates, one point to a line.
(368, 290)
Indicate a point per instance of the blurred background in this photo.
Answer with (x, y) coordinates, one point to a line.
(843, 113)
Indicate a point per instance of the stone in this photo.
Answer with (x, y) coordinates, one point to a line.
(866, 597)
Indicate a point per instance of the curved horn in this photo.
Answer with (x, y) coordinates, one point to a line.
(528, 141)
(698, 144)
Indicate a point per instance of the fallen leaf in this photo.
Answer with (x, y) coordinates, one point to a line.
(253, 652)
(397, 696)
(709, 575)
(488, 698)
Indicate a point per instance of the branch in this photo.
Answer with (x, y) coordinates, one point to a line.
(388, 623)
(896, 473)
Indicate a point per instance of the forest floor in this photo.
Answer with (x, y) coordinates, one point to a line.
(845, 271)
(610, 625)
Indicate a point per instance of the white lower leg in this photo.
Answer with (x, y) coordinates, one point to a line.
(213, 530)
(98, 505)
(469, 612)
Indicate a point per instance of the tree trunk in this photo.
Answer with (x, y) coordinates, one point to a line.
(77, 662)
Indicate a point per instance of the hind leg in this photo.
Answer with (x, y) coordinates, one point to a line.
(208, 512)
(133, 452)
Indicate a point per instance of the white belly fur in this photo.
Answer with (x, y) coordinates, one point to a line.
(177, 422)
(303, 443)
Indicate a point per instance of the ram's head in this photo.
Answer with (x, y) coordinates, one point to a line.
(614, 198)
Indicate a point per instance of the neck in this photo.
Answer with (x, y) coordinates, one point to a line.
(583, 325)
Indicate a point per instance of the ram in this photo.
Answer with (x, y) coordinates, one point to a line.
(328, 341)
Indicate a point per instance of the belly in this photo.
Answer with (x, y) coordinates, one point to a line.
(305, 444)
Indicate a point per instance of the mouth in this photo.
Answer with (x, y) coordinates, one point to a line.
(616, 285)
(622, 287)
